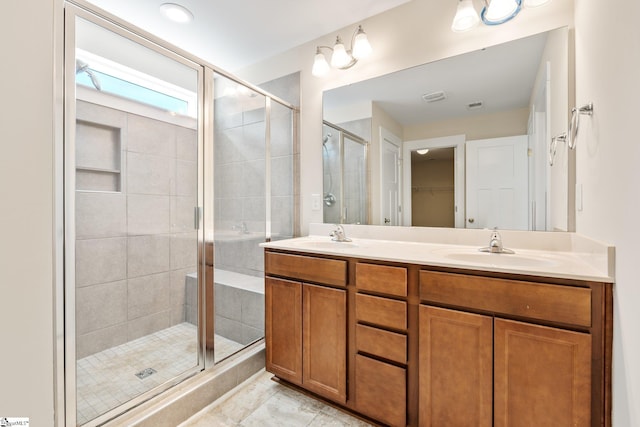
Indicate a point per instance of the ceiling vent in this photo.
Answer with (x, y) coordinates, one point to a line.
(434, 96)
(475, 105)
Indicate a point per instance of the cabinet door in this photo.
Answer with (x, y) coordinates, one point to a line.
(455, 378)
(325, 341)
(542, 376)
(283, 328)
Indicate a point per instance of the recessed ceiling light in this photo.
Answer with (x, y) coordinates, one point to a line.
(176, 13)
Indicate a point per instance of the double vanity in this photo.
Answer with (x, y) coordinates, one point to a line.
(416, 326)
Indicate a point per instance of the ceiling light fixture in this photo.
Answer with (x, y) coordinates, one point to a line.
(422, 151)
(494, 12)
(341, 57)
(176, 12)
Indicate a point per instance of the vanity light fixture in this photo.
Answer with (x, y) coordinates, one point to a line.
(494, 12)
(500, 11)
(176, 13)
(341, 57)
(466, 17)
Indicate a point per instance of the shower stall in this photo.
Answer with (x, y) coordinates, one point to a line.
(175, 172)
(345, 176)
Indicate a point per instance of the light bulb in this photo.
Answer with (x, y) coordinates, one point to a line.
(361, 46)
(466, 17)
(500, 11)
(320, 64)
(176, 13)
(340, 57)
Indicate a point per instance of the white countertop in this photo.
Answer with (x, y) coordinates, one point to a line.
(558, 255)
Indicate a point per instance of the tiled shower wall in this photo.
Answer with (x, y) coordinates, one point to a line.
(134, 247)
(239, 192)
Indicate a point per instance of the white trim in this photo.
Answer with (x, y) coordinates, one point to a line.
(455, 141)
(387, 135)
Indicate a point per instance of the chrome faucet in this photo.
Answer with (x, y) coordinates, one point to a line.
(242, 228)
(338, 234)
(495, 244)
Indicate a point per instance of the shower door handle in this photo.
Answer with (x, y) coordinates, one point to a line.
(197, 214)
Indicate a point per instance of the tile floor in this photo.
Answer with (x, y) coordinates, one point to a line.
(261, 402)
(107, 379)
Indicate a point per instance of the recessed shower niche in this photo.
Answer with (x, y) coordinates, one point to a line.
(98, 157)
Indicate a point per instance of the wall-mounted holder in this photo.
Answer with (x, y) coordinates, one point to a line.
(574, 124)
(554, 146)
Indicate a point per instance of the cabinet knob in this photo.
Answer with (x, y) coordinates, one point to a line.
(471, 220)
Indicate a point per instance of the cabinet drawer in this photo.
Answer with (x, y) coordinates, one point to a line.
(382, 278)
(305, 268)
(378, 342)
(383, 312)
(381, 391)
(556, 303)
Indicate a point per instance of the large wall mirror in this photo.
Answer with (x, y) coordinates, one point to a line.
(460, 142)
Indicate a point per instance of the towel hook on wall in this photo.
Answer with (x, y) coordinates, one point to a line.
(574, 124)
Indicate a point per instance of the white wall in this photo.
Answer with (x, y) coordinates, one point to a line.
(26, 214)
(608, 159)
(409, 35)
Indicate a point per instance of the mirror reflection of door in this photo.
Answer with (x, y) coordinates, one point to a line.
(497, 183)
(432, 187)
(390, 178)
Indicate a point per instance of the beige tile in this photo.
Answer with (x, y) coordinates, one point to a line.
(184, 250)
(148, 324)
(100, 215)
(88, 112)
(186, 178)
(149, 295)
(101, 260)
(100, 306)
(149, 174)
(179, 288)
(148, 214)
(186, 144)
(281, 410)
(151, 136)
(148, 255)
(182, 214)
(94, 342)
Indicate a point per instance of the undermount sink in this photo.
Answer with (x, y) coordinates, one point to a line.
(498, 260)
(324, 244)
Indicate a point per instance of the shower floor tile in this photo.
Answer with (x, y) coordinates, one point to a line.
(261, 402)
(108, 379)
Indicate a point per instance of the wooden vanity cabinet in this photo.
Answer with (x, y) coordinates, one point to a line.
(490, 370)
(381, 314)
(406, 345)
(306, 328)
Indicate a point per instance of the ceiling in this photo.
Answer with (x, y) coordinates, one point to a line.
(501, 77)
(232, 34)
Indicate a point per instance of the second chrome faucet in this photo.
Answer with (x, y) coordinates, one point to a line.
(495, 244)
(338, 235)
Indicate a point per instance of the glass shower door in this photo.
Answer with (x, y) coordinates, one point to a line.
(132, 188)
